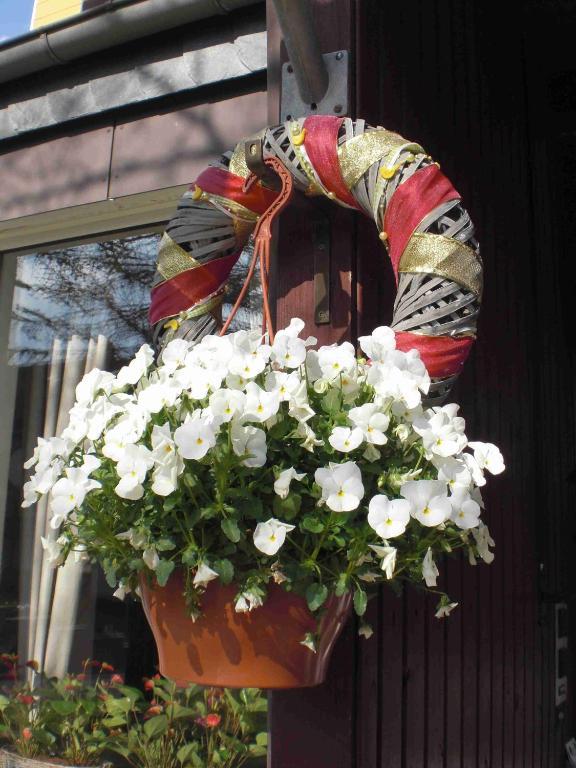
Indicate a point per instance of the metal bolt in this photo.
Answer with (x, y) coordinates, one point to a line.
(253, 149)
(339, 56)
(290, 68)
(338, 108)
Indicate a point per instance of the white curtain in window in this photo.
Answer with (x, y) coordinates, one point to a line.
(51, 626)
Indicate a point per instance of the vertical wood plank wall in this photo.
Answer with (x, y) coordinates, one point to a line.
(478, 689)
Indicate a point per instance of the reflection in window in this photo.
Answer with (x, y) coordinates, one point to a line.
(98, 289)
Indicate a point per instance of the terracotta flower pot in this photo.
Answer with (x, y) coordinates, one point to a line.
(260, 649)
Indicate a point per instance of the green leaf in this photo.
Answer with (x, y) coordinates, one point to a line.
(164, 545)
(360, 602)
(131, 693)
(316, 594)
(63, 708)
(341, 585)
(156, 726)
(4, 702)
(164, 571)
(312, 524)
(262, 739)
(185, 753)
(224, 569)
(190, 557)
(331, 402)
(109, 572)
(231, 530)
(288, 508)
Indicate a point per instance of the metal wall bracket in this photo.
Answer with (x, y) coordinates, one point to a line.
(335, 101)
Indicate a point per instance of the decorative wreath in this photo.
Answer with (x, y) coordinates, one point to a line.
(427, 232)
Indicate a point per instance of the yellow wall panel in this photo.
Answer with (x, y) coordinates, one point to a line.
(49, 11)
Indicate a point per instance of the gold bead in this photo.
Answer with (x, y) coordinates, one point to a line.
(172, 324)
(331, 196)
(438, 164)
(298, 139)
(295, 128)
(197, 194)
(383, 236)
(387, 173)
(410, 158)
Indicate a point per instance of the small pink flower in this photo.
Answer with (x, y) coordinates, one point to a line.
(116, 679)
(26, 734)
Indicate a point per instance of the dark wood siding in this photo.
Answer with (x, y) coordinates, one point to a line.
(477, 689)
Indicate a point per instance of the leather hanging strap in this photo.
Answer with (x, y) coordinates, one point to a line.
(262, 238)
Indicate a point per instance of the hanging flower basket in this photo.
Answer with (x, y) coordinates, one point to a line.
(250, 486)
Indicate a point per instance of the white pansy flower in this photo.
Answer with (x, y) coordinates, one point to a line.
(249, 356)
(132, 469)
(465, 511)
(174, 354)
(168, 464)
(40, 483)
(376, 346)
(483, 542)
(126, 432)
(429, 500)
(196, 381)
(162, 393)
(341, 485)
(336, 360)
(445, 609)
(395, 380)
(371, 421)
(54, 550)
(137, 539)
(136, 368)
(196, 436)
(474, 469)
(203, 575)
(345, 439)
(309, 440)
(430, 571)
(288, 350)
(151, 559)
(251, 442)
(402, 413)
(260, 404)
(453, 472)
(227, 403)
(47, 449)
(270, 536)
(247, 601)
(442, 432)
(285, 384)
(388, 518)
(299, 407)
(69, 493)
(121, 591)
(282, 482)
(488, 457)
(388, 555)
(92, 383)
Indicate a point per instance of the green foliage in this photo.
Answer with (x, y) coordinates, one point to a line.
(78, 721)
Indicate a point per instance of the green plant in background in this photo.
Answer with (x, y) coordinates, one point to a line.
(80, 718)
(56, 718)
(189, 727)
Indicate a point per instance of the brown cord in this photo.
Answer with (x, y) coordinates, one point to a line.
(262, 238)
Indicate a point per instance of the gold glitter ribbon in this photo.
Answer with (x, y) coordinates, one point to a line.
(172, 259)
(359, 153)
(235, 209)
(444, 256)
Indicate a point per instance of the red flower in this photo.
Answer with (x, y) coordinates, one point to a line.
(69, 687)
(33, 664)
(155, 710)
(81, 677)
(26, 734)
(212, 720)
(116, 679)
(148, 685)
(25, 699)
(107, 667)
